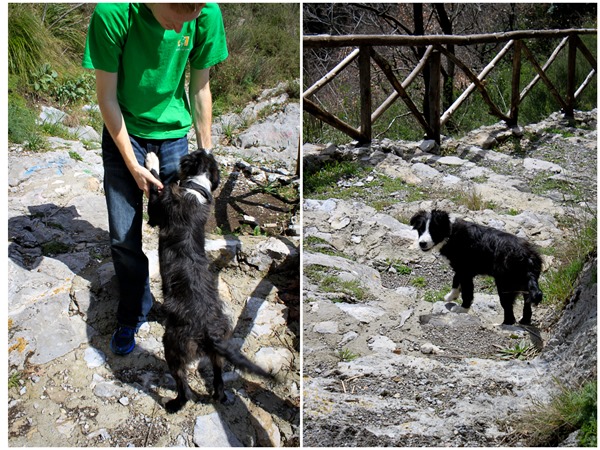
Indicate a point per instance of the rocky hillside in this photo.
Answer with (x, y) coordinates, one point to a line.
(66, 388)
(385, 362)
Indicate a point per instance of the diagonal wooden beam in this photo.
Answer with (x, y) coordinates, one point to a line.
(331, 74)
(478, 84)
(586, 53)
(484, 73)
(587, 81)
(544, 77)
(387, 70)
(312, 108)
(407, 82)
(551, 59)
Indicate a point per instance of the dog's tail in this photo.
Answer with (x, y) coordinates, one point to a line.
(535, 293)
(230, 353)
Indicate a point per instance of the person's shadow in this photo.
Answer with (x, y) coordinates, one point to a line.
(60, 233)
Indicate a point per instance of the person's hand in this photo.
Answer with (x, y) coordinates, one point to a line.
(144, 179)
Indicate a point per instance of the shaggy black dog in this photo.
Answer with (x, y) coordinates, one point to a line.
(474, 249)
(195, 321)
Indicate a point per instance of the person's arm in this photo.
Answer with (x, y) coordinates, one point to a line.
(201, 105)
(106, 90)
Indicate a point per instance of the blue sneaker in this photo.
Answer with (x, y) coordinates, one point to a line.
(123, 340)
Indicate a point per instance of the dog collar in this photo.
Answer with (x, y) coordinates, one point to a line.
(189, 184)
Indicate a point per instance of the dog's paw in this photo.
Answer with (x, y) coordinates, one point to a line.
(459, 309)
(452, 295)
(173, 406)
(226, 398)
(152, 162)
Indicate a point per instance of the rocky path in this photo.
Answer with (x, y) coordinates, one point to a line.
(385, 362)
(66, 388)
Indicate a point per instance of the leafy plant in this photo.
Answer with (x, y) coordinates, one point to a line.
(419, 282)
(52, 248)
(21, 121)
(74, 155)
(75, 90)
(521, 350)
(399, 267)
(44, 79)
(438, 295)
(347, 355)
(332, 283)
(257, 231)
(13, 380)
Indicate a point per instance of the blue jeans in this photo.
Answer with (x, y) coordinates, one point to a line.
(124, 201)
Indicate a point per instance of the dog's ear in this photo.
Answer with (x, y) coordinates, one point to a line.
(441, 221)
(418, 219)
(187, 165)
(213, 172)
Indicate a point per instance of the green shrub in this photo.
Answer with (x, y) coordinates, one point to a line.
(263, 42)
(548, 424)
(559, 282)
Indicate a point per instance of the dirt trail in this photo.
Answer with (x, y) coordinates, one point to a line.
(385, 361)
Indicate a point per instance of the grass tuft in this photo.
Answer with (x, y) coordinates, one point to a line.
(548, 424)
(559, 282)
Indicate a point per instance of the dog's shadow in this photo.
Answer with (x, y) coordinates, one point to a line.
(453, 308)
(281, 277)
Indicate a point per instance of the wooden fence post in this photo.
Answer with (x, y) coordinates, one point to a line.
(572, 64)
(435, 65)
(516, 86)
(364, 64)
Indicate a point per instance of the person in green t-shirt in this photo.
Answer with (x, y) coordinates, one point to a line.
(140, 53)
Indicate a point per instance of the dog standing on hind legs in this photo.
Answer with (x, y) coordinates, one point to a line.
(474, 249)
(196, 323)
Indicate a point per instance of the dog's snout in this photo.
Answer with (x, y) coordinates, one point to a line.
(423, 244)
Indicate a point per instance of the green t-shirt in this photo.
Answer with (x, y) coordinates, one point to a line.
(151, 62)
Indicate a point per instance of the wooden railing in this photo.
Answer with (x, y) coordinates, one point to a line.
(435, 48)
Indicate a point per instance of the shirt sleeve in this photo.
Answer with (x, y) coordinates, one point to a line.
(106, 37)
(210, 43)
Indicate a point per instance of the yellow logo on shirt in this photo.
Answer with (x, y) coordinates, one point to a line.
(183, 43)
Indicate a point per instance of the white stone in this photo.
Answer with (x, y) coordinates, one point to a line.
(273, 359)
(425, 171)
(430, 349)
(51, 115)
(427, 145)
(451, 161)
(362, 313)
(338, 223)
(266, 316)
(348, 337)
(94, 357)
(382, 344)
(540, 165)
(328, 327)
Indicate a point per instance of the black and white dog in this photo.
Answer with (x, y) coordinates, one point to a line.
(195, 321)
(474, 249)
